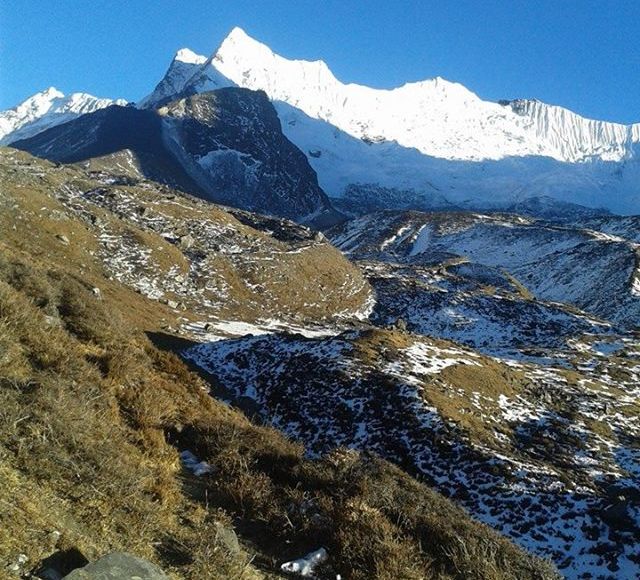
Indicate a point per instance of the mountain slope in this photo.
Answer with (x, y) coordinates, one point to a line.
(182, 67)
(231, 142)
(593, 270)
(102, 429)
(47, 109)
(226, 146)
(547, 456)
(434, 137)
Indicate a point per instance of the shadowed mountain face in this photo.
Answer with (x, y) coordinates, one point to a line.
(111, 131)
(226, 146)
(231, 142)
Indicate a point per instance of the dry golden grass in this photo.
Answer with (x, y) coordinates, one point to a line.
(92, 416)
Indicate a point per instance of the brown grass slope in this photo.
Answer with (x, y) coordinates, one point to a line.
(92, 416)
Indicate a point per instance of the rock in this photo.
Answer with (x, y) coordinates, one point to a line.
(185, 242)
(228, 538)
(19, 564)
(49, 574)
(617, 515)
(118, 566)
(64, 239)
(96, 292)
(400, 325)
(305, 566)
(172, 304)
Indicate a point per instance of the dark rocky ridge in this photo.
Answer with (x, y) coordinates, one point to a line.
(231, 142)
(109, 131)
(249, 163)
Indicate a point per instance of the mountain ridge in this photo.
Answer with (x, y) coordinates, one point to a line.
(47, 109)
(247, 62)
(430, 135)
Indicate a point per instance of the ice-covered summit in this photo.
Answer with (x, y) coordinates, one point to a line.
(47, 109)
(187, 56)
(437, 117)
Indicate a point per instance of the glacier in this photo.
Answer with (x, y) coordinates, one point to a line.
(435, 138)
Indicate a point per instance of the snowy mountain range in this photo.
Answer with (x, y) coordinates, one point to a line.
(434, 141)
(434, 138)
(47, 109)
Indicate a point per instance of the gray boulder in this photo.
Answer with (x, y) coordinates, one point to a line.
(118, 566)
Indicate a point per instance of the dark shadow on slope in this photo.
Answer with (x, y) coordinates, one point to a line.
(177, 345)
(108, 131)
(225, 146)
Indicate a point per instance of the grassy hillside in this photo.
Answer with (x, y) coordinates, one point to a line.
(93, 418)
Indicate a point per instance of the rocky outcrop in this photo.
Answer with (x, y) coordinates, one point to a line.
(226, 146)
(231, 142)
(118, 565)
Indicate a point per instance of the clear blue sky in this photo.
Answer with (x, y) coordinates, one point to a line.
(582, 54)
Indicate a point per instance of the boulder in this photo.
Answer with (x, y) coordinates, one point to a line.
(118, 566)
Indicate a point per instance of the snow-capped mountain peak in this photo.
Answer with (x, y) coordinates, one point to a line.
(430, 138)
(187, 56)
(437, 117)
(47, 109)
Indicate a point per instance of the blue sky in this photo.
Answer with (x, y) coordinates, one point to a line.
(584, 55)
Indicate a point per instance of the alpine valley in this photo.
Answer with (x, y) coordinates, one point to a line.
(262, 323)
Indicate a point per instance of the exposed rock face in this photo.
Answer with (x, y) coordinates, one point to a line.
(231, 142)
(108, 132)
(226, 146)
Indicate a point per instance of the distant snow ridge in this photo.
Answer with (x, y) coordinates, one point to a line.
(434, 140)
(47, 109)
(439, 118)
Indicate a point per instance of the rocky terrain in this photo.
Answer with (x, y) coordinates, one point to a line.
(226, 146)
(546, 455)
(593, 270)
(207, 262)
(111, 444)
(263, 324)
(527, 420)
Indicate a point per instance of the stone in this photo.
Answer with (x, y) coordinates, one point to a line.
(185, 242)
(400, 325)
(228, 538)
(118, 566)
(64, 239)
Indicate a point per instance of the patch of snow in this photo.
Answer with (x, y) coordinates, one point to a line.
(193, 464)
(306, 565)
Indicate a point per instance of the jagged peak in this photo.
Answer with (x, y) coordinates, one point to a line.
(241, 47)
(51, 93)
(187, 56)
